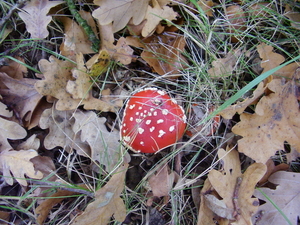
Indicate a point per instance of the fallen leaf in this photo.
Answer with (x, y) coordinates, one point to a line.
(20, 96)
(206, 6)
(61, 134)
(15, 164)
(237, 21)
(121, 52)
(14, 69)
(107, 202)
(43, 210)
(79, 89)
(162, 181)
(10, 130)
(163, 53)
(120, 12)
(286, 197)
(98, 64)
(34, 15)
(154, 15)
(240, 107)
(223, 67)
(105, 145)
(57, 74)
(275, 121)
(293, 16)
(236, 189)
(76, 40)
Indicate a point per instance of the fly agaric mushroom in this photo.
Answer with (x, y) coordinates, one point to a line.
(152, 121)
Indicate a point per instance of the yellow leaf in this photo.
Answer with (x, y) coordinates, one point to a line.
(100, 65)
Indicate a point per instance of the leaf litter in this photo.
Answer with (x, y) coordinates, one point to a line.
(72, 111)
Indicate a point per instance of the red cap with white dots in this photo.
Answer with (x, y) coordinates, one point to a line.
(152, 121)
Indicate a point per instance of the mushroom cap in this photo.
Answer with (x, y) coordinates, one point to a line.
(152, 121)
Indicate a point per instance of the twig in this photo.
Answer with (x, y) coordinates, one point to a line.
(87, 28)
(4, 19)
(237, 210)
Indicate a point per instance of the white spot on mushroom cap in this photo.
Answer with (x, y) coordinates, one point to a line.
(131, 118)
(142, 143)
(152, 129)
(165, 112)
(160, 121)
(152, 109)
(148, 122)
(140, 107)
(161, 133)
(174, 100)
(161, 92)
(138, 120)
(171, 128)
(155, 113)
(131, 106)
(140, 130)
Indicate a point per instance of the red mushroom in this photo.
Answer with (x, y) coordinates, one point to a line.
(152, 121)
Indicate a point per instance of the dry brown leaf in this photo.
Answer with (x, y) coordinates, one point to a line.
(239, 108)
(43, 210)
(34, 15)
(205, 215)
(9, 130)
(275, 121)
(107, 202)
(161, 183)
(21, 96)
(31, 143)
(154, 15)
(105, 146)
(223, 67)
(293, 16)
(79, 89)
(286, 197)
(57, 75)
(237, 21)
(76, 40)
(236, 189)
(163, 54)
(14, 69)
(61, 134)
(17, 164)
(270, 59)
(119, 13)
(206, 6)
(4, 110)
(121, 52)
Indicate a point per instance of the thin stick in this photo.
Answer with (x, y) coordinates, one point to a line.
(87, 28)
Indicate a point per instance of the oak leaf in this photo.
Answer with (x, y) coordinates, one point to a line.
(21, 96)
(275, 121)
(76, 40)
(286, 197)
(236, 189)
(154, 15)
(17, 164)
(107, 202)
(9, 130)
(61, 133)
(239, 107)
(119, 13)
(163, 53)
(271, 59)
(105, 146)
(223, 67)
(34, 15)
